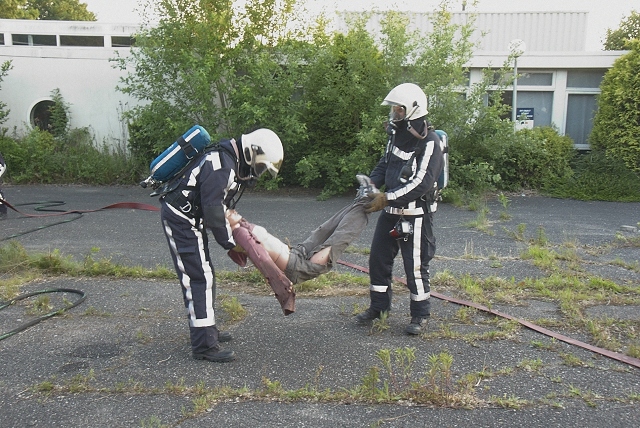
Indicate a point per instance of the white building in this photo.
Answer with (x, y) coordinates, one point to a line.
(71, 56)
(558, 82)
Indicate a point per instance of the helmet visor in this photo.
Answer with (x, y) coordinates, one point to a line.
(259, 169)
(397, 113)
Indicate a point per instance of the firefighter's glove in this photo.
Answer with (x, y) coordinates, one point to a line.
(377, 201)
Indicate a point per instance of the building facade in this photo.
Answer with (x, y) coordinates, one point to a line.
(74, 58)
(558, 81)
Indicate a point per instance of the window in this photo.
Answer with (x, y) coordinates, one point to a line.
(581, 109)
(82, 41)
(41, 116)
(584, 78)
(34, 40)
(1, 38)
(535, 79)
(122, 41)
(541, 103)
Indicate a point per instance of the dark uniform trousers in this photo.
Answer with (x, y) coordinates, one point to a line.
(417, 251)
(189, 248)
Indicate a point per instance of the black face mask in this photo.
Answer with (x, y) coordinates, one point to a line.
(245, 175)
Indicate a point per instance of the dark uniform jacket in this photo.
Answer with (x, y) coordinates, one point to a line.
(424, 160)
(207, 189)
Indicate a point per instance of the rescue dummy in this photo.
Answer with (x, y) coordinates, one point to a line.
(283, 266)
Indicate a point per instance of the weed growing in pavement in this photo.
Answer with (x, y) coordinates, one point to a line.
(503, 329)
(358, 308)
(233, 308)
(398, 366)
(15, 262)
(472, 287)
(92, 311)
(351, 249)
(481, 222)
(531, 365)
(551, 345)
(542, 257)
(380, 324)
(518, 234)
(509, 402)
(335, 283)
(505, 202)
(571, 360)
(152, 422)
(635, 266)
(602, 333)
(588, 397)
(41, 306)
(541, 239)
(465, 314)
(634, 350)
(622, 240)
(468, 251)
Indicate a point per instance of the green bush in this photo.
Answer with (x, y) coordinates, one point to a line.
(616, 126)
(597, 177)
(342, 94)
(41, 158)
(533, 158)
(4, 69)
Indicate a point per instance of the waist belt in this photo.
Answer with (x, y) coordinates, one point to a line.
(404, 211)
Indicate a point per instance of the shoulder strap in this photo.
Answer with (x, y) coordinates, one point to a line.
(415, 133)
(173, 183)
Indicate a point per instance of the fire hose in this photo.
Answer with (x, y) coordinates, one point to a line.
(605, 352)
(45, 206)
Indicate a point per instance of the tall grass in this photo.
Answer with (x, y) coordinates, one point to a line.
(74, 158)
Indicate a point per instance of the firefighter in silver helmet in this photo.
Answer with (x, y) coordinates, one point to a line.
(207, 189)
(408, 170)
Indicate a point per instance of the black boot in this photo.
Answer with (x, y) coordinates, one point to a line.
(368, 315)
(216, 356)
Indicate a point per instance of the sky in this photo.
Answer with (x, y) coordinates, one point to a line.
(603, 14)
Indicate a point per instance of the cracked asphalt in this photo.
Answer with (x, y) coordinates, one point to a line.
(122, 358)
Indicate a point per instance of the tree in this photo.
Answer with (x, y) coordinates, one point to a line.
(616, 126)
(206, 62)
(16, 9)
(342, 93)
(62, 10)
(4, 69)
(629, 30)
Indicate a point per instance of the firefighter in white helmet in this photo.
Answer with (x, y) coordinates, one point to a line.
(206, 190)
(408, 171)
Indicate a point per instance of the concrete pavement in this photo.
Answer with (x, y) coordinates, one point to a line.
(122, 359)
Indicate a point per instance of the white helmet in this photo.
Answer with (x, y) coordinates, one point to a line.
(411, 98)
(262, 151)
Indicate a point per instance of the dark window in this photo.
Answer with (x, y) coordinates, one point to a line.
(20, 39)
(535, 79)
(581, 109)
(584, 78)
(82, 41)
(1, 38)
(33, 40)
(122, 41)
(41, 116)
